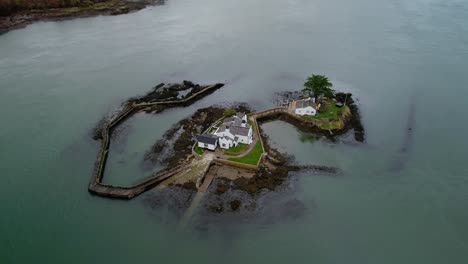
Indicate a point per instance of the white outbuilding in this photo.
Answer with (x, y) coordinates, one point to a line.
(207, 141)
(305, 107)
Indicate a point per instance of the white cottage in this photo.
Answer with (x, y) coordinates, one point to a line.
(207, 141)
(233, 131)
(305, 107)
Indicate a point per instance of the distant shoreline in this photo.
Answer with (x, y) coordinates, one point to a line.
(22, 18)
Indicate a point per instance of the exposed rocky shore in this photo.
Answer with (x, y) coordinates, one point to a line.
(17, 14)
(355, 120)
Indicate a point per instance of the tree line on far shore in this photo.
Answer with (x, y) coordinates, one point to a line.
(9, 7)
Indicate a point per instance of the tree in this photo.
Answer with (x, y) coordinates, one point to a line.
(319, 85)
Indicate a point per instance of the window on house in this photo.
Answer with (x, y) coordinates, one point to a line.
(206, 145)
(224, 145)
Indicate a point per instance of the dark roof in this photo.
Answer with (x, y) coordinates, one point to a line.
(228, 137)
(237, 130)
(207, 138)
(305, 103)
(233, 121)
(229, 120)
(237, 122)
(221, 128)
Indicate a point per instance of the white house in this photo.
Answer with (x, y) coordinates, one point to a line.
(233, 131)
(305, 107)
(207, 141)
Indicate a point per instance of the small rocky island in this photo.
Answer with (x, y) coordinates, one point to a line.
(225, 145)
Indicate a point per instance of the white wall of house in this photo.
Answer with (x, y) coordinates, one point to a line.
(246, 139)
(207, 146)
(225, 143)
(244, 119)
(306, 111)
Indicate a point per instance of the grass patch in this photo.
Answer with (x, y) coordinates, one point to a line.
(330, 116)
(331, 111)
(252, 157)
(236, 150)
(199, 150)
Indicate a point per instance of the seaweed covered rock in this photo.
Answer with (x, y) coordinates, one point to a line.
(221, 188)
(266, 177)
(355, 122)
(235, 204)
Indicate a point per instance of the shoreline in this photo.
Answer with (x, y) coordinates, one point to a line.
(23, 18)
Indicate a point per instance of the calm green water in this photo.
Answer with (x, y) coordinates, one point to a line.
(57, 79)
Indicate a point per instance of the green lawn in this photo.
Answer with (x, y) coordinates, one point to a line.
(330, 116)
(330, 112)
(236, 150)
(252, 157)
(199, 150)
